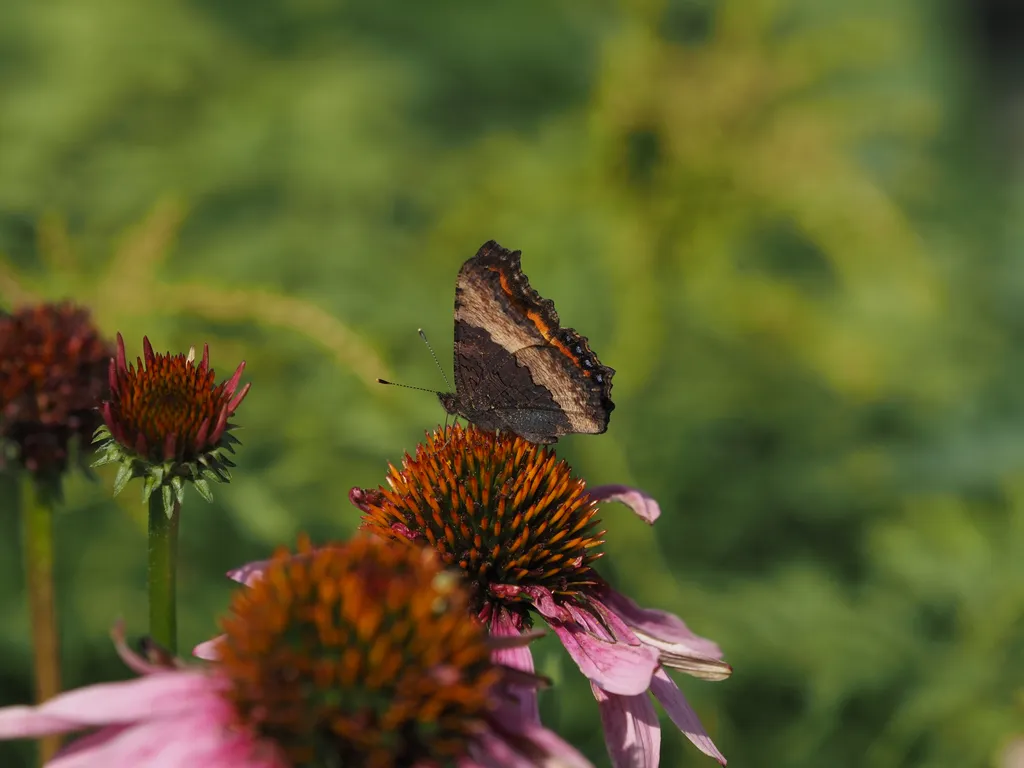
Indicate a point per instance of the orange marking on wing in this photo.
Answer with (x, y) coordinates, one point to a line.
(539, 323)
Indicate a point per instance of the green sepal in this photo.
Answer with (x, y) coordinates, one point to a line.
(124, 474)
(168, 500)
(105, 458)
(178, 484)
(203, 487)
(148, 486)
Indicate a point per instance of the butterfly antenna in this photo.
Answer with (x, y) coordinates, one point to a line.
(436, 362)
(407, 386)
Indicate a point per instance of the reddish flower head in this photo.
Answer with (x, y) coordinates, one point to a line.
(523, 530)
(52, 378)
(167, 421)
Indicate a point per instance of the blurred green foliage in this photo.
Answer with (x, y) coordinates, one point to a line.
(785, 223)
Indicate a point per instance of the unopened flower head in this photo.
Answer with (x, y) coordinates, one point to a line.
(523, 529)
(53, 365)
(167, 421)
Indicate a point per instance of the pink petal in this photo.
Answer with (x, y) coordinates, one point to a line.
(249, 573)
(631, 730)
(208, 650)
(89, 741)
(679, 710)
(204, 428)
(607, 620)
(236, 377)
(660, 628)
(121, 362)
(616, 667)
(156, 695)
(147, 351)
(195, 740)
(237, 399)
(645, 507)
(219, 426)
(108, 416)
(170, 443)
(492, 751)
(557, 753)
(502, 625)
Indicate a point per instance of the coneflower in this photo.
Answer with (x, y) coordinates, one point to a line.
(167, 422)
(52, 377)
(360, 655)
(524, 532)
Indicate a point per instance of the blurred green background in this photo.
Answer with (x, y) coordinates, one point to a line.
(793, 228)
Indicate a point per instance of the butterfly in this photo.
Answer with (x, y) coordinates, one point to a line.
(516, 368)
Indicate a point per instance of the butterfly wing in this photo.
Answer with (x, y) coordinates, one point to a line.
(515, 367)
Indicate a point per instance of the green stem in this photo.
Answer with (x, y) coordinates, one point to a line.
(37, 524)
(163, 571)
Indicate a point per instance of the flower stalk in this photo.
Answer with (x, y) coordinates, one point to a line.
(37, 529)
(163, 572)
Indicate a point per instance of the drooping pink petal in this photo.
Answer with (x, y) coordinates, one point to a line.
(681, 713)
(611, 621)
(656, 626)
(155, 695)
(555, 752)
(492, 751)
(87, 742)
(200, 738)
(645, 507)
(133, 660)
(502, 625)
(631, 730)
(615, 666)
